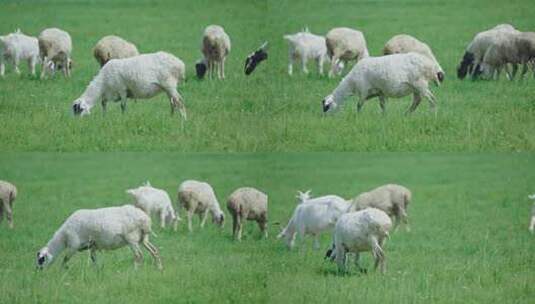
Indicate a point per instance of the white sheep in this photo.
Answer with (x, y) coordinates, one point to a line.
(476, 49)
(395, 75)
(312, 217)
(101, 229)
(532, 223)
(8, 194)
(142, 77)
(215, 48)
(401, 44)
(344, 44)
(199, 198)
(306, 46)
(358, 232)
(248, 204)
(55, 47)
(391, 198)
(155, 201)
(17, 47)
(113, 47)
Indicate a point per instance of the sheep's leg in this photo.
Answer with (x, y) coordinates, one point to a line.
(382, 103)
(68, 255)
(379, 255)
(514, 71)
(357, 264)
(138, 255)
(31, 65)
(190, 217)
(223, 68)
(9, 212)
(123, 99)
(334, 61)
(1, 212)
(532, 224)
(405, 219)
(341, 258)
(321, 60)
(162, 219)
(44, 64)
(15, 62)
(263, 228)
(524, 70)
(416, 99)
(432, 101)
(93, 255)
(240, 226)
(316, 245)
(290, 64)
(204, 217)
(360, 104)
(2, 66)
(175, 99)
(153, 252)
(304, 64)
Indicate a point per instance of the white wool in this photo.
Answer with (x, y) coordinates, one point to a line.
(248, 204)
(17, 47)
(113, 47)
(199, 198)
(403, 43)
(215, 48)
(55, 47)
(306, 46)
(344, 45)
(8, 194)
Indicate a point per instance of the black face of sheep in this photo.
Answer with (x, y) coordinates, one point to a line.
(255, 58)
(77, 109)
(440, 76)
(41, 259)
(325, 106)
(466, 65)
(200, 68)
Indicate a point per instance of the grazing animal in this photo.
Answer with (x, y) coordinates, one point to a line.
(17, 47)
(113, 47)
(101, 229)
(344, 44)
(248, 204)
(215, 48)
(8, 194)
(402, 44)
(199, 198)
(255, 58)
(55, 47)
(306, 46)
(358, 232)
(143, 77)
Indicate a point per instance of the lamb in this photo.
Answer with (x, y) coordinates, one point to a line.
(248, 204)
(101, 229)
(510, 48)
(312, 217)
(155, 201)
(401, 44)
(8, 194)
(395, 75)
(199, 198)
(306, 46)
(55, 47)
(113, 47)
(391, 198)
(254, 58)
(17, 47)
(143, 77)
(215, 48)
(532, 223)
(344, 44)
(475, 51)
(357, 232)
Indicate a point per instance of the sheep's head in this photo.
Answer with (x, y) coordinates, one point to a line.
(44, 258)
(219, 219)
(80, 107)
(255, 58)
(302, 196)
(328, 103)
(466, 65)
(200, 68)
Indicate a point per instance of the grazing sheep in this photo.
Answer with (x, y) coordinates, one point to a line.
(101, 229)
(401, 44)
(248, 204)
(312, 217)
(113, 47)
(255, 58)
(396, 75)
(155, 201)
(17, 47)
(55, 47)
(215, 48)
(8, 194)
(475, 51)
(392, 199)
(199, 198)
(510, 48)
(306, 46)
(142, 77)
(532, 223)
(344, 44)
(357, 232)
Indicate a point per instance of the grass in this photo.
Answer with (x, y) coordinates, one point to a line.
(268, 111)
(469, 242)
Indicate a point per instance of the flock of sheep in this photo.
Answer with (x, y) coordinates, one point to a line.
(407, 67)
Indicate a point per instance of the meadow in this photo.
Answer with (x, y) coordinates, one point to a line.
(469, 241)
(267, 111)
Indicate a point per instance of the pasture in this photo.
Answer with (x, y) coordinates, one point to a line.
(469, 241)
(267, 111)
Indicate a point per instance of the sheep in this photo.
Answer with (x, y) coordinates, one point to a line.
(155, 201)
(55, 47)
(199, 198)
(532, 223)
(509, 48)
(142, 77)
(248, 204)
(254, 58)
(391, 198)
(306, 46)
(101, 229)
(16, 47)
(113, 47)
(215, 48)
(395, 75)
(8, 194)
(303, 196)
(475, 51)
(344, 44)
(403, 43)
(312, 217)
(357, 232)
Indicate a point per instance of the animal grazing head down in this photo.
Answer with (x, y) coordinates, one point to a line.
(328, 103)
(219, 219)
(329, 254)
(79, 107)
(44, 258)
(466, 65)
(255, 58)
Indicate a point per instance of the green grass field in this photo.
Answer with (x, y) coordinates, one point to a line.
(469, 241)
(268, 111)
